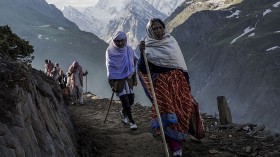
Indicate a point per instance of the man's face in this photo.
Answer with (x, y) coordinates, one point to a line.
(119, 43)
(158, 29)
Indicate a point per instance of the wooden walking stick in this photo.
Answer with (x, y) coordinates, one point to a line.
(109, 106)
(111, 101)
(156, 105)
(86, 83)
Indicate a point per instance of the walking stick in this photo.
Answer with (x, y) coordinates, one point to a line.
(110, 101)
(156, 105)
(86, 83)
(109, 106)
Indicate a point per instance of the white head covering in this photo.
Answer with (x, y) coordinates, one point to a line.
(119, 61)
(163, 52)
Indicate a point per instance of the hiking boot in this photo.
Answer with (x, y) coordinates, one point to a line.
(133, 126)
(178, 153)
(124, 118)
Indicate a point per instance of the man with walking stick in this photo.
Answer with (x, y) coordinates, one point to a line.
(169, 84)
(120, 63)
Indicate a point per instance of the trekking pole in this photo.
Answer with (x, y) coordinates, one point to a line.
(109, 106)
(110, 101)
(156, 106)
(86, 83)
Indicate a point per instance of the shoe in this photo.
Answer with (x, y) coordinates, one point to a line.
(133, 126)
(178, 153)
(81, 103)
(124, 118)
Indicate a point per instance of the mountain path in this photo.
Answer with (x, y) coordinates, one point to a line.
(115, 139)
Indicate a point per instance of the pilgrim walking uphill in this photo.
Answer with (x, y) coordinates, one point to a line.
(75, 82)
(120, 63)
(170, 81)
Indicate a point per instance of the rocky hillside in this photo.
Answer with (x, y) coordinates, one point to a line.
(56, 38)
(234, 52)
(34, 120)
(190, 7)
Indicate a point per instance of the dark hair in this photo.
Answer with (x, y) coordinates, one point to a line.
(157, 20)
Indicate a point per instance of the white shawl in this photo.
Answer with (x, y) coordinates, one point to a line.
(165, 52)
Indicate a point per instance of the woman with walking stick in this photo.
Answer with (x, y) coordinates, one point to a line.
(170, 81)
(120, 63)
(75, 75)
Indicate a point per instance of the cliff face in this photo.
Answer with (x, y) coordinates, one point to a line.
(34, 120)
(234, 52)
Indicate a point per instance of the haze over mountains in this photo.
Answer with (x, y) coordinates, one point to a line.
(231, 48)
(56, 38)
(107, 17)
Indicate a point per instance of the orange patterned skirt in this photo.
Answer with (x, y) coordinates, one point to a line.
(174, 102)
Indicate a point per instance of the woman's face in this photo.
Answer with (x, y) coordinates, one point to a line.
(119, 43)
(158, 29)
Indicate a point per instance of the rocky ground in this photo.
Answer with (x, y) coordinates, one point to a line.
(114, 139)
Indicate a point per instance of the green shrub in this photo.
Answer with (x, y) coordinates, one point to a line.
(14, 47)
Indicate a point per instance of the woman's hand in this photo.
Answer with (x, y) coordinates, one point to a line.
(142, 46)
(85, 73)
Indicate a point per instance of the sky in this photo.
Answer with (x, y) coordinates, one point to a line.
(75, 3)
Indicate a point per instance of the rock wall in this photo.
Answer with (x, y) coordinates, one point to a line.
(225, 59)
(34, 120)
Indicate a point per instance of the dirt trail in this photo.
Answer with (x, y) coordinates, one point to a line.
(115, 139)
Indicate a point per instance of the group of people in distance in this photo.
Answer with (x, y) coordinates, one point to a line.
(71, 82)
(170, 80)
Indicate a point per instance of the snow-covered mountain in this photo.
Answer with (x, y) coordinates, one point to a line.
(165, 6)
(132, 19)
(131, 16)
(94, 19)
(86, 22)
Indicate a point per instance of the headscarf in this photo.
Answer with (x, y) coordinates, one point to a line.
(75, 67)
(119, 61)
(163, 52)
